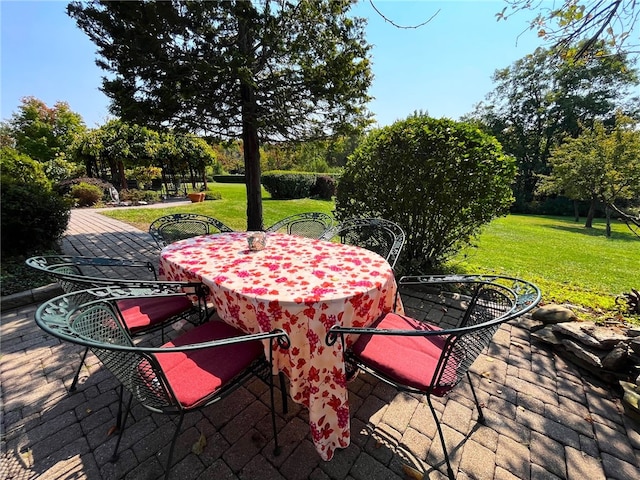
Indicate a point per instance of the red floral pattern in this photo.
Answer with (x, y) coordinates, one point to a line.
(304, 287)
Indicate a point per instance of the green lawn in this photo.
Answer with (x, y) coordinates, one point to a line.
(231, 209)
(569, 263)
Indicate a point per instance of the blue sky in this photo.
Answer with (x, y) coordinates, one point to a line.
(443, 68)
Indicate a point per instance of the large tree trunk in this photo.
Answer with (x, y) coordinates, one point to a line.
(123, 178)
(592, 212)
(250, 137)
(608, 215)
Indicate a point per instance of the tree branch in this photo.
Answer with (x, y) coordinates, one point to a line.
(405, 27)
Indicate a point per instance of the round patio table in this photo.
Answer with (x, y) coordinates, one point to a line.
(304, 287)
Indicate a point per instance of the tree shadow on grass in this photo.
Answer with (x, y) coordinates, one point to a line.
(597, 230)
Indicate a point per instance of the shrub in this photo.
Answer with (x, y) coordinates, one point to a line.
(438, 179)
(288, 185)
(135, 196)
(229, 178)
(33, 219)
(64, 187)
(212, 195)
(17, 168)
(325, 187)
(86, 195)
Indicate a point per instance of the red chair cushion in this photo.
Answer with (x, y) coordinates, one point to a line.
(142, 313)
(197, 374)
(406, 360)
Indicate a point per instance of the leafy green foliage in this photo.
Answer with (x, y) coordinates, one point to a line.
(64, 187)
(44, 133)
(288, 185)
(135, 196)
(597, 165)
(540, 100)
(85, 194)
(33, 218)
(610, 22)
(325, 187)
(440, 180)
(18, 168)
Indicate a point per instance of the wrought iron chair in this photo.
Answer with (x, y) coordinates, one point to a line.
(191, 372)
(310, 224)
(140, 315)
(376, 234)
(414, 355)
(171, 228)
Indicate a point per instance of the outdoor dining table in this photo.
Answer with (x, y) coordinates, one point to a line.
(302, 286)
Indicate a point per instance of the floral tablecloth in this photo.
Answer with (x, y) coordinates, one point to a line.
(303, 286)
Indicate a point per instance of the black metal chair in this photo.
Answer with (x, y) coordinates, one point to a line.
(171, 228)
(191, 372)
(414, 355)
(309, 224)
(384, 237)
(140, 315)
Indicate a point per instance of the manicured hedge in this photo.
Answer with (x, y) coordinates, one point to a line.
(229, 178)
(283, 185)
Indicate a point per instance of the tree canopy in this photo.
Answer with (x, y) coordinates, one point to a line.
(578, 28)
(265, 70)
(598, 165)
(541, 99)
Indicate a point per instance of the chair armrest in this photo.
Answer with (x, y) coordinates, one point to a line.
(525, 294)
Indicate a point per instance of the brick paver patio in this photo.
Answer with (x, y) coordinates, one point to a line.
(545, 418)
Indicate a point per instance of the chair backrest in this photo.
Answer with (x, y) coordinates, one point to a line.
(309, 224)
(171, 228)
(384, 237)
(482, 303)
(90, 318)
(482, 319)
(78, 273)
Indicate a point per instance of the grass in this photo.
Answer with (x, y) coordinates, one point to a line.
(231, 209)
(570, 264)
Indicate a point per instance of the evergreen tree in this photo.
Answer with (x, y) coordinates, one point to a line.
(267, 70)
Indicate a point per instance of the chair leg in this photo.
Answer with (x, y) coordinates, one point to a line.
(276, 448)
(121, 422)
(283, 389)
(444, 446)
(74, 383)
(172, 447)
(473, 391)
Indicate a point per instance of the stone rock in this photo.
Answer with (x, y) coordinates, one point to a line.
(631, 400)
(635, 345)
(528, 323)
(579, 331)
(608, 337)
(582, 353)
(547, 335)
(633, 331)
(616, 358)
(550, 314)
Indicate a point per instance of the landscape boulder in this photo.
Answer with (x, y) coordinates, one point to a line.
(550, 314)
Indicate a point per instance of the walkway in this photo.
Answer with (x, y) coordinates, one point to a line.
(546, 419)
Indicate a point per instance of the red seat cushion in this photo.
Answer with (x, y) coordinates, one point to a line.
(195, 375)
(406, 360)
(141, 313)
